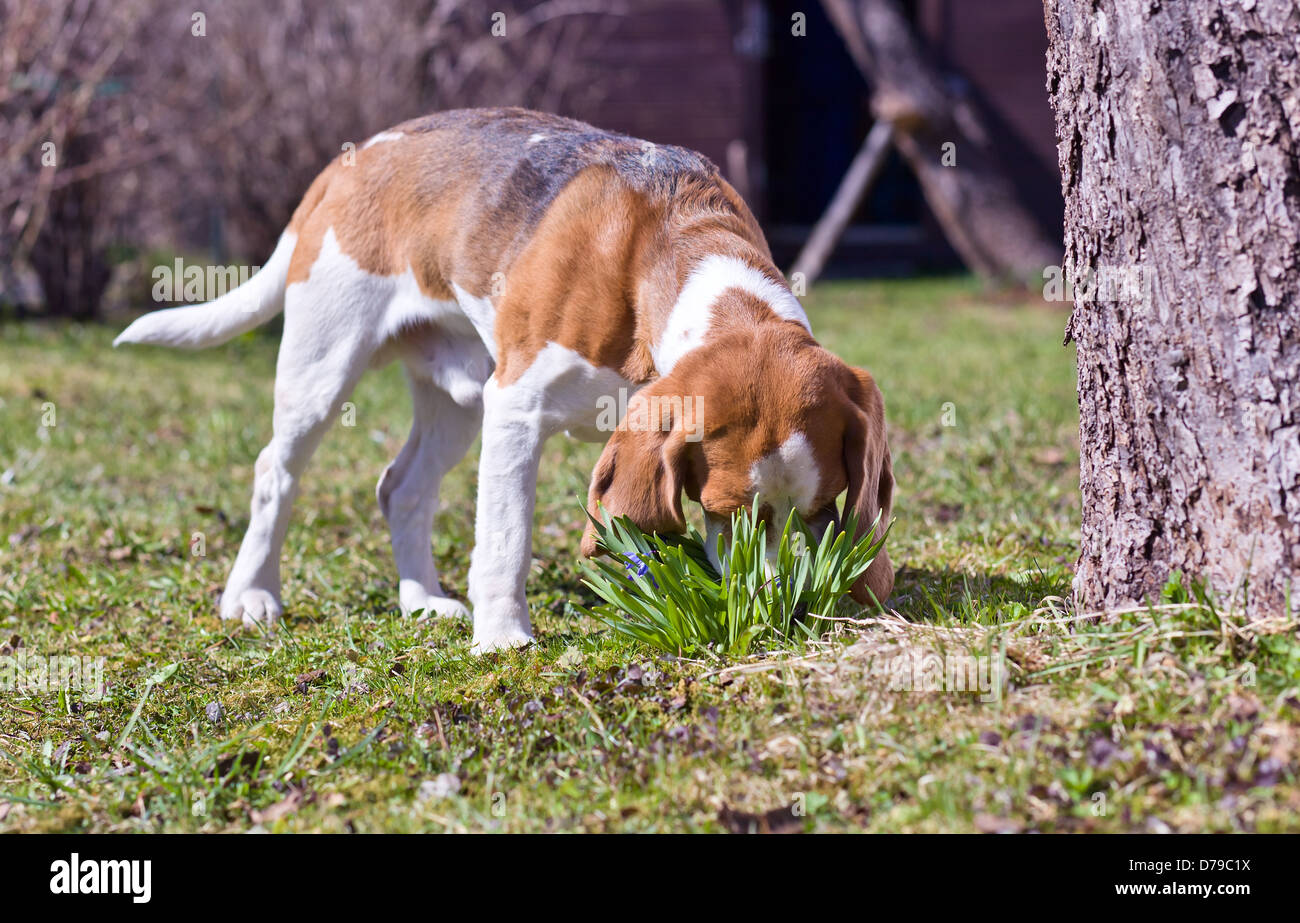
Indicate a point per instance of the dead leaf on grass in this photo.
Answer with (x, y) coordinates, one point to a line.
(304, 680)
(281, 809)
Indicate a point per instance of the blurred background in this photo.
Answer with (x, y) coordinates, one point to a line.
(135, 131)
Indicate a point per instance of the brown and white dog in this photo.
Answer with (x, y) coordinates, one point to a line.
(529, 270)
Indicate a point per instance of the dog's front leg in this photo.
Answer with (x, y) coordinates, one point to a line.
(513, 434)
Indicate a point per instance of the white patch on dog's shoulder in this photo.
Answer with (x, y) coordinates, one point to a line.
(692, 313)
(382, 137)
(787, 478)
(482, 314)
(576, 392)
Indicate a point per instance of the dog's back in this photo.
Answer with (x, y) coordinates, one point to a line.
(479, 182)
(465, 202)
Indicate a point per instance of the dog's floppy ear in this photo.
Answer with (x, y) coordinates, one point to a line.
(871, 481)
(640, 475)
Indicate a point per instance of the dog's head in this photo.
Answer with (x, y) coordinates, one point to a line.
(762, 412)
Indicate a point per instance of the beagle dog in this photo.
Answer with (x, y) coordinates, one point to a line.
(535, 274)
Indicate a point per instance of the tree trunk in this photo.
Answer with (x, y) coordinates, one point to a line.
(967, 186)
(1178, 125)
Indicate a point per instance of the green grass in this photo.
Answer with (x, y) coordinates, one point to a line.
(118, 524)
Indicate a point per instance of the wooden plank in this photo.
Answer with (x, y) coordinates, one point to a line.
(861, 174)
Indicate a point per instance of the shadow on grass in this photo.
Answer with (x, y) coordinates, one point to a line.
(920, 594)
(942, 595)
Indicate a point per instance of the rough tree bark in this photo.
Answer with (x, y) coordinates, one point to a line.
(1178, 125)
(972, 197)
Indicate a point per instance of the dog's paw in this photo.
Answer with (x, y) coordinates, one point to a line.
(253, 607)
(500, 625)
(429, 601)
(500, 641)
(437, 607)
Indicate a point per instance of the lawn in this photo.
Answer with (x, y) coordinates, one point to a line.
(980, 701)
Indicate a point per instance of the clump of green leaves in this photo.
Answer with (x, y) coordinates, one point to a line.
(663, 590)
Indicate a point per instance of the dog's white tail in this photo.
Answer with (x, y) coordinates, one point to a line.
(213, 322)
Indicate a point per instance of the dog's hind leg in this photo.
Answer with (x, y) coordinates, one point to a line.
(441, 434)
(323, 353)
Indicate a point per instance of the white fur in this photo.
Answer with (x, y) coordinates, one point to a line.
(438, 339)
(785, 479)
(558, 391)
(384, 136)
(442, 430)
(482, 314)
(692, 313)
(338, 322)
(238, 311)
(327, 344)
(409, 306)
(715, 526)
(446, 365)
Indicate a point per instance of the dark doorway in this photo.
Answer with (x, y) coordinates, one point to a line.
(816, 117)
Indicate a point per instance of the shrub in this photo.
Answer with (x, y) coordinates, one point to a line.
(662, 589)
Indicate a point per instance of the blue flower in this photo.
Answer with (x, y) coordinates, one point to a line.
(636, 566)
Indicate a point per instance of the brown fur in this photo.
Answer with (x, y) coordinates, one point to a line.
(584, 268)
(584, 238)
(596, 270)
(760, 380)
